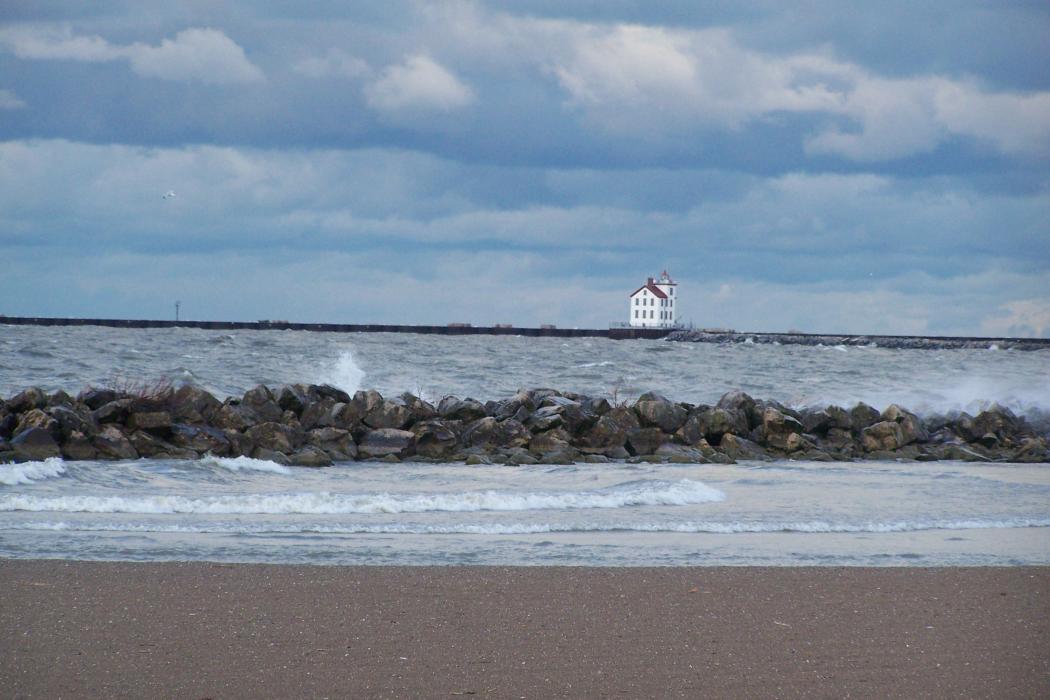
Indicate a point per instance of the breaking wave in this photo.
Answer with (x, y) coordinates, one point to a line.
(28, 472)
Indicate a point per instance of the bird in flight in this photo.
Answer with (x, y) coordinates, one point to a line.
(170, 194)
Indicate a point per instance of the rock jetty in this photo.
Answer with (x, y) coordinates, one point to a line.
(896, 342)
(317, 425)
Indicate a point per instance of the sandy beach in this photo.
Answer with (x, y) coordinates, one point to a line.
(83, 629)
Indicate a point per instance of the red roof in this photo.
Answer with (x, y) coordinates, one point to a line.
(652, 288)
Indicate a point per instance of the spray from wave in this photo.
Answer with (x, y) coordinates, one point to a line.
(344, 374)
(28, 472)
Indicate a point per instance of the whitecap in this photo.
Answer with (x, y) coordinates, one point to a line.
(28, 472)
(238, 464)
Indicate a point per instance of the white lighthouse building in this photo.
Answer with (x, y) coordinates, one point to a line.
(654, 304)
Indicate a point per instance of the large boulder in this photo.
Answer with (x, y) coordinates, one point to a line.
(274, 436)
(317, 392)
(151, 446)
(291, 397)
(158, 422)
(95, 398)
(656, 411)
(321, 413)
(310, 456)
(202, 439)
(781, 431)
(743, 404)
(262, 403)
(35, 444)
(77, 446)
(490, 434)
(553, 447)
(912, 429)
(337, 444)
(645, 441)
(112, 443)
(233, 416)
(36, 418)
(383, 442)
(435, 439)
(862, 415)
(739, 448)
(191, 404)
(27, 400)
(466, 410)
(113, 412)
(74, 419)
(389, 413)
(607, 435)
(713, 423)
(884, 436)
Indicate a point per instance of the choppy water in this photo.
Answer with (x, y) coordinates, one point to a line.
(789, 513)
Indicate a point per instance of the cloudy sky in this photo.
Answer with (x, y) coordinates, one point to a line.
(829, 166)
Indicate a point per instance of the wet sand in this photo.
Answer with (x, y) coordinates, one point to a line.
(199, 630)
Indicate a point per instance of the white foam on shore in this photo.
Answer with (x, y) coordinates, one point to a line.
(239, 464)
(519, 528)
(28, 472)
(635, 493)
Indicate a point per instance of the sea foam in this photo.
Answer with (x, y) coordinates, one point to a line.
(28, 472)
(634, 493)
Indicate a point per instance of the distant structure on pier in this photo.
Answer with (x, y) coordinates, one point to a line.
(654, 305)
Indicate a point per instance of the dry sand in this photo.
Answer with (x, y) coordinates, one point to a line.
(199, 630)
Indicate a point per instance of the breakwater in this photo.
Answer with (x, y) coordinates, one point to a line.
(549, 331)
(317, 425)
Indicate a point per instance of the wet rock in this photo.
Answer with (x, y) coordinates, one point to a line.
(262, 403)
(609, 434)
(202, 439)
(574, 418)
(1032, 449)
(388, 413)
(36, 418)
(77, 446)
(557, 440)
(715, 422)
(113, 412)
(912, 429)
(148, 445)
(70, 420)
(233, 416)
(27, 400)
(435, 439)
(327, 391)
(681, 454)
(862, 415)
(419, 410)
(546, 418)
(34, 444)
(466, 410)
(60, 398)
(8, 423)
(273, 436)
(152, 421)
(781, 431)
(489, 433)
(598, 406)
(96, 398)
(386, 441)
(190, 404)
(345, 416)
(519, 407)
(337, 444)
(997, 420)
(656, 411)
(882, 436)
(321, 413)
(112, 443)
(310, 456)
(743, 404)
(291, 397)
(645, 441)
(739, 448)
(271, 456)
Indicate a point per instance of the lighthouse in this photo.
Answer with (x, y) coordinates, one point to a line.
(654, 304)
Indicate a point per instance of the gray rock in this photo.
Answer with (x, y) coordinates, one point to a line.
(645, 441)
(96, 398)
(466, 410)
(153, 421)
(271, 456)
(862, 415)
(656, 411)
(233, 416)
(262, 403)
(113, 412)
(310, 456)
(77, 446)
(715, 422)
(291, 397)
(743, 404)
(36, 418)
(780, 431)
(386, 441)
(112, 443)
(274, 436)
(739, 448)
(337, 444)
(388, 413)
(435, 439)
(489, 433)
(35, 444)
(322, 413)
(72, 420)
(882, 436)
(27, 400)
(327, 391)
(190, 404)
(202, 439)
(912, 429)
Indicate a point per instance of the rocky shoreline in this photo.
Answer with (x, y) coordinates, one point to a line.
(318, 425)
(895, 342)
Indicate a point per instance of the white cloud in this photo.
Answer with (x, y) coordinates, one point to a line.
(194, 55)
(9, 100)
(657, 82)
(334, 63)
(1021, 318)
(419, 83)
